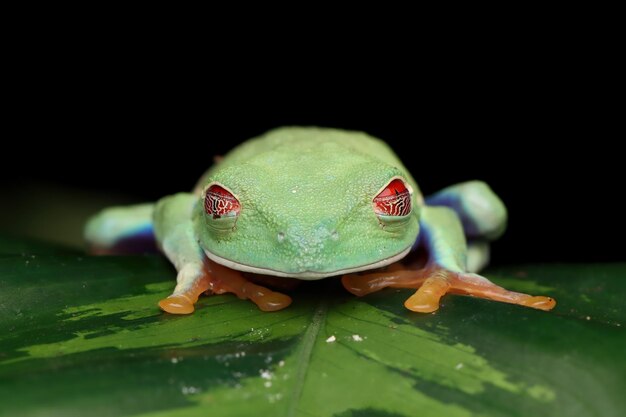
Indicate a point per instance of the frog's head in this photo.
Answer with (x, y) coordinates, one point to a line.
(310, 215)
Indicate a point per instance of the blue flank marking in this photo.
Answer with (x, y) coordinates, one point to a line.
(145, 231)
(138, 240)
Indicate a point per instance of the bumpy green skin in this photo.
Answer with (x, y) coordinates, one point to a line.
(306, 197)
(306, 212)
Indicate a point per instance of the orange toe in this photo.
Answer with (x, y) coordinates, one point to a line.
(176, 304)
(422, 303)
(426, 299)
(355, 284)
(273, 301)
(539, 302)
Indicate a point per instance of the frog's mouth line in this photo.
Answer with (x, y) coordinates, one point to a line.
(305, 275)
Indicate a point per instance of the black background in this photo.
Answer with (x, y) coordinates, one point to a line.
(542, 133)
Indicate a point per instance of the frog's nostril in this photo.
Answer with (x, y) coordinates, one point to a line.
(334, 235)
(281, 237)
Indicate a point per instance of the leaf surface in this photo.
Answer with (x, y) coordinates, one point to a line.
(83, 336)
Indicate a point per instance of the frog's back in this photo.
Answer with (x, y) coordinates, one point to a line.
(305, 139)
(312, 140)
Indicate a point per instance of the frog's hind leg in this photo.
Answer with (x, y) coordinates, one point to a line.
(482, 214)
(120, 230)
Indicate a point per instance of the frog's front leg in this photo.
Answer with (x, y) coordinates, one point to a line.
(196, 273)
(445, 271)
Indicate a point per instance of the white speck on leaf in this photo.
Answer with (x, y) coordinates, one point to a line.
(267, 384)
(281, 363)
(458, 366)
(588, 318)
(265, 374)
(331, 339)
(275, 397)
(190, 390)
(357, 338)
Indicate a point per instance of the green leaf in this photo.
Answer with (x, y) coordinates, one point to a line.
(83, 336)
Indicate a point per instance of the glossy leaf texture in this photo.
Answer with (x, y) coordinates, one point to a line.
(83, 336)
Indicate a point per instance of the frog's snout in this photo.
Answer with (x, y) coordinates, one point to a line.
(333, 235)
(307, 242)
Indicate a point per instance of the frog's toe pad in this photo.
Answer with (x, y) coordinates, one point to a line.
(426, 299)
(539, 302)
(177, 304)
(422, 304)
(273, 301)
(358, 285)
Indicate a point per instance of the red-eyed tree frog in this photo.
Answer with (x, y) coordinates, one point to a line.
(309, 203)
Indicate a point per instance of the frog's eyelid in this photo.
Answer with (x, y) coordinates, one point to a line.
(219, 184)
(392, 179)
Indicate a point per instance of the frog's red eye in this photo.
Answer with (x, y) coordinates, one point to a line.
(219, 202)
(394, 200)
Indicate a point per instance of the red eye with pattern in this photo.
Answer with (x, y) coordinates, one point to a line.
(219, 202)
(394, 200)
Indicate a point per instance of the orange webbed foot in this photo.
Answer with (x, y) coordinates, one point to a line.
(229, 280)
(218, 279)
(479, 286)
(434, 282)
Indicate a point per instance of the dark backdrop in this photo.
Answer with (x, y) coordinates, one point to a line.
(545, 143)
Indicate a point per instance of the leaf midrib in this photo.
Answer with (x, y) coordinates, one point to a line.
(303, 357)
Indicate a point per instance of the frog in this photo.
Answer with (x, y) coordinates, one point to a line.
(311, 203)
